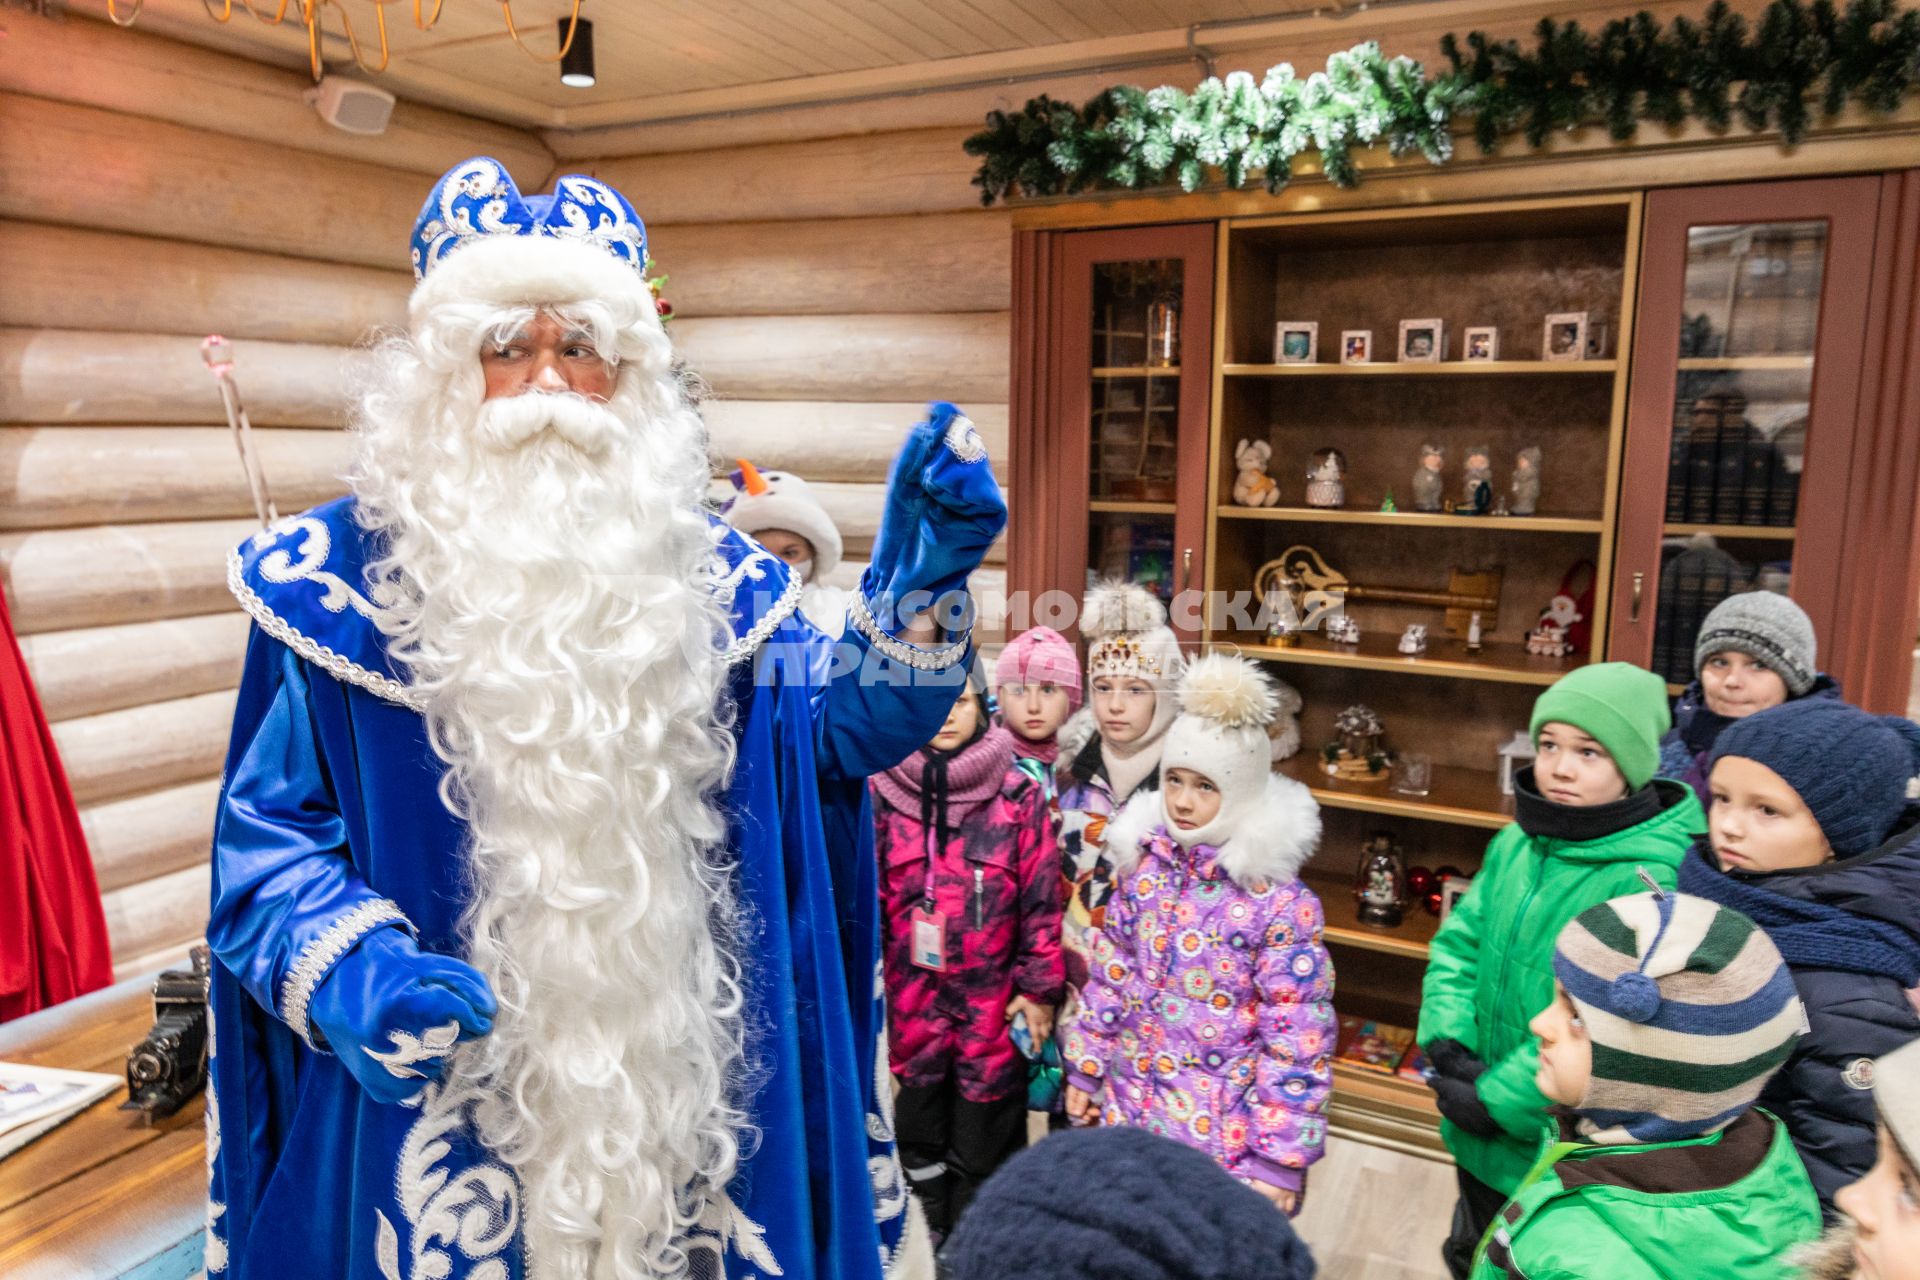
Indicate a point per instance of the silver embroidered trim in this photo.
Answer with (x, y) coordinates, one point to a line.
(964, 441)
(318, 956)
(861, 615)
(434, 1042)
(780, 611)
(339, 666)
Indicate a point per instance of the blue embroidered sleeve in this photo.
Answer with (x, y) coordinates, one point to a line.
(287, 902)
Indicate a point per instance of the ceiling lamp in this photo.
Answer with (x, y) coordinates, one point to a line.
(576, 58)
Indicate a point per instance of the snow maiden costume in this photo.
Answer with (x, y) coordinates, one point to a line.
(660, 781)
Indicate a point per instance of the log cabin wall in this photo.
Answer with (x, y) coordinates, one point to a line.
(152, 193)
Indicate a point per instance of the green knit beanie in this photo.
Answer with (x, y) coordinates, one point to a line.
(1618, 705)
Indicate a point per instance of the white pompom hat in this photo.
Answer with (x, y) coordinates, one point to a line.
(782, 500)
(1226, 704)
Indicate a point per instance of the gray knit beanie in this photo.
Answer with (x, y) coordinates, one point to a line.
(1767, 627)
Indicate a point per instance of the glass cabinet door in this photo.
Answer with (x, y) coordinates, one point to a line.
(1744, 337)
(1136, 320)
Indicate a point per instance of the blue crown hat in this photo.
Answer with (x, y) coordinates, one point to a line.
(477, 200)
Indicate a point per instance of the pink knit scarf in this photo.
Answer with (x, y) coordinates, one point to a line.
(974, 775)
(1045, 752)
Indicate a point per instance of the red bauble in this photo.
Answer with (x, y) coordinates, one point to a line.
(1431, 901)
(1431, 898)
(1420, 882)
(664, 307)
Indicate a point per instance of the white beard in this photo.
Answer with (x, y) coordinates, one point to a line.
(546, 588)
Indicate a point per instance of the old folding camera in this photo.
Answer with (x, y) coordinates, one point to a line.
(166, 1069)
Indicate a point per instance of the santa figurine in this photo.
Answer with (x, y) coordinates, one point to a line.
(1548, 639)
(543, 904)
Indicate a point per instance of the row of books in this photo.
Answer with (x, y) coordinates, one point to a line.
(1692, 582)
(1381, 1047)
(1724, 471)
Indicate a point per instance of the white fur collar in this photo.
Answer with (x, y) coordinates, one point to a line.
(1275, 839)
(1074, 736)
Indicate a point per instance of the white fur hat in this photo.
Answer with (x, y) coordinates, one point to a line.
(1127, 635)
(1226, 704)
(782, 500)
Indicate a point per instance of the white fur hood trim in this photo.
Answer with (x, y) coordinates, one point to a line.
(529, 271)
(1073, 738)
(1275, 839)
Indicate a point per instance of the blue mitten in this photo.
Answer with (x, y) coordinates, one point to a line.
(944, 509)
(393, 1012)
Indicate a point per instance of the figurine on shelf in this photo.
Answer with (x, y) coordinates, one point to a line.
(1413, 641)
(1473, 633)
(1428, 487)
(1387, 505)
(1476, 487)
(1253, 487)
(1550, 637)
(1358, 755)
(1283, 735)
(1342, 629)
(1326, 479)
(1282, 609)
(1380, 890)
(1526, 481)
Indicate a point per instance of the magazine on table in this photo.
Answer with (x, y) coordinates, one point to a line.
(36, 1099)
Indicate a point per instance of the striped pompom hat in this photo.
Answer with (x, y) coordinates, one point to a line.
(1690, 1010)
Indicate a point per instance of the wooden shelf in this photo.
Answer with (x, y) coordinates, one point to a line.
(1734, 364)
(1384, 1109)
(1502, 662)
(1775, 533)
(1410, 939)
(1461, 797)
(1098, 506)
(1427, 519)
(1138, 371)
(1445, 369)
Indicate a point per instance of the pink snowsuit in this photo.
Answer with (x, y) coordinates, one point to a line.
(997, 882)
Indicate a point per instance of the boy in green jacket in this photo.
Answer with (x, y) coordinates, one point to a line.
(1590, 821)
(1670, 1015)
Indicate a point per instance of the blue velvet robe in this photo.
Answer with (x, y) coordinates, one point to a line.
(329, 822)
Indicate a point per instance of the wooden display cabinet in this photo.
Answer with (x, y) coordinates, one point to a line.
(1836, 328)
(1746, 395)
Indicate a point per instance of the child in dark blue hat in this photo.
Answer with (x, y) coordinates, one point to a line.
(1812, 835)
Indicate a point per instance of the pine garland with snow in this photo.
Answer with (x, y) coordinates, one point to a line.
(1799, 58)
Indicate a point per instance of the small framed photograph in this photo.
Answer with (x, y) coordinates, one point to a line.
(1452, 889)
(1481, 345)
(1356, 346)
(1597, 340)
(1565, 337)
(1296, 342)
(1422, 341)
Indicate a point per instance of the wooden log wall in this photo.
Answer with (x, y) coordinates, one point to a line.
(151, 193)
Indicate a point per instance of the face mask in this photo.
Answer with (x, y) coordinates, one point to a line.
(802, 568)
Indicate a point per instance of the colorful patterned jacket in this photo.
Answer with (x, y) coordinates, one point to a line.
(1208, 1014)
(998, 885)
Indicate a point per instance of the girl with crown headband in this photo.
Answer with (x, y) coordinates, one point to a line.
(1111, 750)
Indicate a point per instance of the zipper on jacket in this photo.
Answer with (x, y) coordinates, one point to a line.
(979, 899)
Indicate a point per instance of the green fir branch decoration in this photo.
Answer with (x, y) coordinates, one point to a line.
(1804, 58)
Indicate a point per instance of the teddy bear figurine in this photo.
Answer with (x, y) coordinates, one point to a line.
(1253, 487)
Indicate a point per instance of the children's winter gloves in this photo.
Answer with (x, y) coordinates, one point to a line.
(1455, 1068)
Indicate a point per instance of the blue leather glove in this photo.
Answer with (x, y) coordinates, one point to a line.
(393, 1012)
(944, 509)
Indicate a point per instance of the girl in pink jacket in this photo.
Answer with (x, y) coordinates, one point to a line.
(970, 891)
(1208, 1011)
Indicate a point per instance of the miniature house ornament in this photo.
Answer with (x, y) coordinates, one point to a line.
(1525, 485)
(1516, 753)
(1252, 486)
(1428, 486)
(1380, 890)
(1357, 756)
(1326, 479)
(1414, 639)
(1342, 629)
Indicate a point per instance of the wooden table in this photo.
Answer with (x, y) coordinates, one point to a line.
(103, 1194)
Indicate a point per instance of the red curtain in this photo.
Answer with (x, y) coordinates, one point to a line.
(53, 935)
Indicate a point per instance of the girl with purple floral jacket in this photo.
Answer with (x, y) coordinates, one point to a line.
(1208, 1011)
